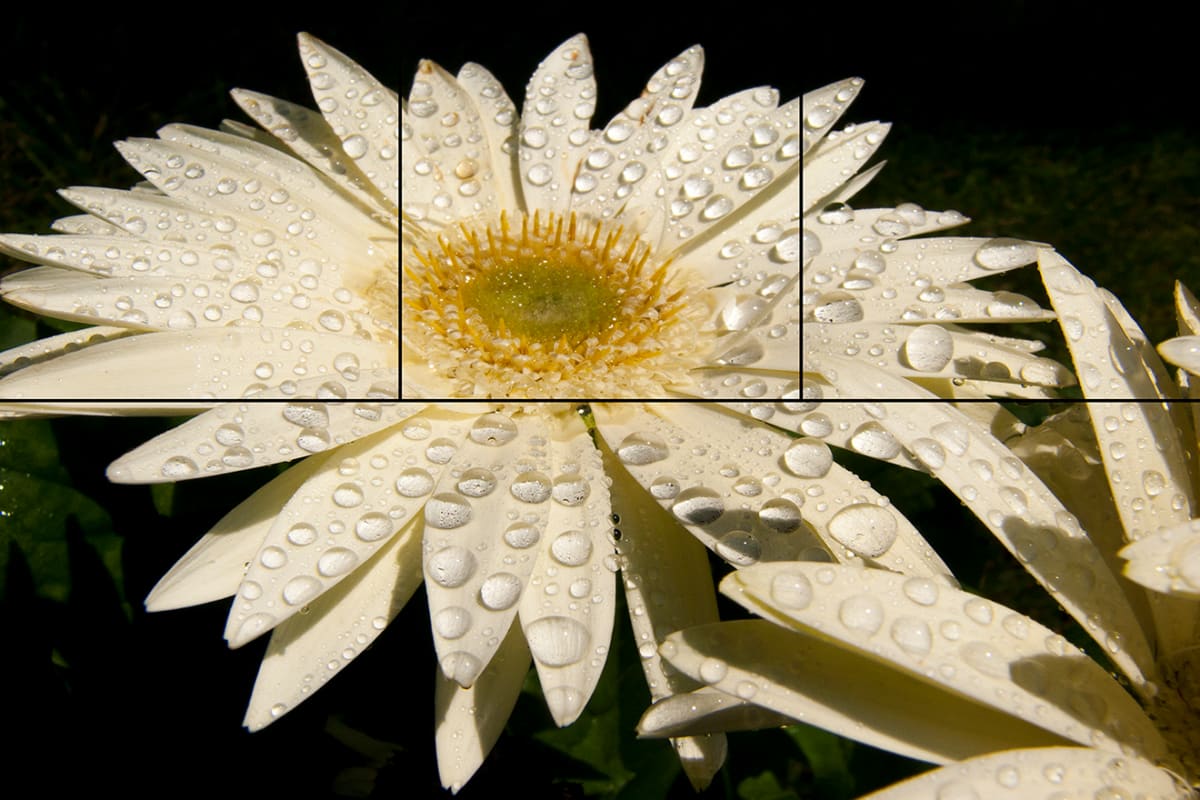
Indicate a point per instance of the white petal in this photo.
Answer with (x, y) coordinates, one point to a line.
(1015, 506)
(213, 568)
(692, 457)
(469, 720)
(335, 522)
(870, 701)
(198, 364)
(1045, 773)
(834, 160)
(567, 609)
(1113, 365)
(489, 509)
(361, 111)
(970, 645)
(1167, 560)
(563, 87)
(233, 437)
(308, 649)
(823, 108)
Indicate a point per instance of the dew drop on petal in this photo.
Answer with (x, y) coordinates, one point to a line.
(372, 527)
(452, 622)
(531, 487)
(521, 535)
(642, 448)
(741, 548)
(912, 635)
(809, 458)
(792, 590)
(864, 528)
(494, 430)
(451, 566)
(921, 591)
(500, 591)
(557, 641)
(929, 348)
(1005, 253)
(300, 590)
(414, 482)
(446, 511)
(713, 670)
(698, 506)
(572, 548)
(863, 612)
(336, 561)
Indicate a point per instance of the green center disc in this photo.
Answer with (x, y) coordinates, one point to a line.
(543, 300)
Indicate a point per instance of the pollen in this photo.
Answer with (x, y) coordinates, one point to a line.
(547, 305)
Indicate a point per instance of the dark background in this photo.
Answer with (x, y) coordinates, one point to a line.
(1052, 121)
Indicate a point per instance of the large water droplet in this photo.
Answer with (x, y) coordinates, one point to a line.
(862, 612)
(500, 591)
(557, 641)
(572, 548)
(451, 566)
(698, 506)
(929, 348)
(642, 448)
(447, 510)
(494, 430)
(864, 528)
(531, 487)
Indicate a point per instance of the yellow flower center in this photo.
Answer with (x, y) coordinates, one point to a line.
(548, 306)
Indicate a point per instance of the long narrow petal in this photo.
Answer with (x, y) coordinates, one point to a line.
(973, 647)
(567, 609)
(308, 649)
(1043, 773)
(469, 720)
(1015, 506)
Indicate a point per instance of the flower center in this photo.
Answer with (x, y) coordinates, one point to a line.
(543, 300)
(547, 306)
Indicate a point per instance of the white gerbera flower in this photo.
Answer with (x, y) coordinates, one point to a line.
(873, 294)
(655, 257)
(514, 519)
(1097, 503)
(248, 262)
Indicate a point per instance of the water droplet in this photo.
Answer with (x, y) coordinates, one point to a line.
(912, 635)
(864, 528)
(713, 670)
(414, 482)
(929, 348)
(570, 490)
(741, 548)
(642, 448)
(809, 458)
(373, 527)
(451, 566)
(447, 510)
(521, 535)
(336, 561)
(494, 430)
(921, 591)
(452, 622)
(301, 590)
(698, 506)
(557, 641)
(863, 612)
(871, 440)
(792, 590)
(500, 591)
(572, 548)
(531, 487)
(1004, 253)
(477, 482)
(178, 468)
(347, 495)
